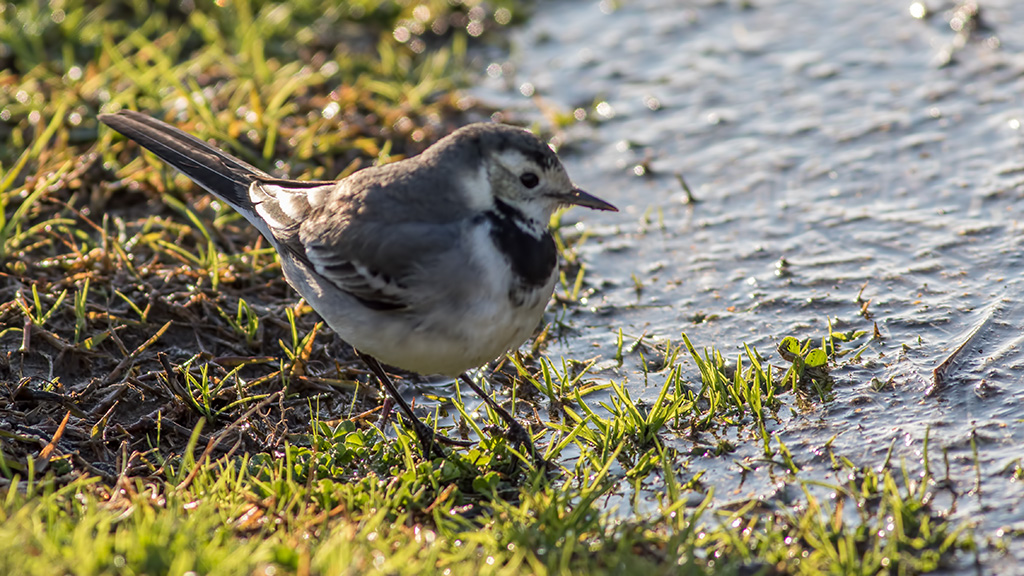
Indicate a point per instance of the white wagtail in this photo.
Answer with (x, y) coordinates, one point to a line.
(436, 264)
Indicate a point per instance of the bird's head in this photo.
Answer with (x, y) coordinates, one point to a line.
(523, 172)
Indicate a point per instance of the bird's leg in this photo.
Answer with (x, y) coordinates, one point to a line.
(428, 437)
(515, 432)
(386, 408)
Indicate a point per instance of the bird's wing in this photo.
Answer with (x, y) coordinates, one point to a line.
(367, 253)
(371, 287)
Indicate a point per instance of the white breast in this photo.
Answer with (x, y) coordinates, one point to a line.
(446, 335)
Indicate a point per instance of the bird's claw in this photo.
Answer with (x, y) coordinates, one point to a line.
(431, 440)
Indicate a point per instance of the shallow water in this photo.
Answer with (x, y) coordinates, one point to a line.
(835, 137)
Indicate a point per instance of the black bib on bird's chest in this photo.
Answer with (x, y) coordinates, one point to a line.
(532, 257)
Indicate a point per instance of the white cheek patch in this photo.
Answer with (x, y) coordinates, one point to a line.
(476, 187)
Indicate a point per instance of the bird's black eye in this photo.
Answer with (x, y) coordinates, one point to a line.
(529, 179)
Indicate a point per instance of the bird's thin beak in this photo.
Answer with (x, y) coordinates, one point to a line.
(585, 199)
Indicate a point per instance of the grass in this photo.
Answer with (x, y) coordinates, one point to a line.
(168, 406)
(351, 498)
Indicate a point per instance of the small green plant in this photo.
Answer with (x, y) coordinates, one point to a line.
(561, 386)
(809, 367)
(35, 311)
(297, 353)
(732, 393)
(199, 391)
(245, 322)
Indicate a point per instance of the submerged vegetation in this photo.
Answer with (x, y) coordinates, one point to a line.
(167, 405)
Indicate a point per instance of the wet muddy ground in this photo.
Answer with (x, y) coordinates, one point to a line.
(854, 162)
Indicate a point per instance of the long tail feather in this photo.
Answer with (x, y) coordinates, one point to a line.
(219, 173)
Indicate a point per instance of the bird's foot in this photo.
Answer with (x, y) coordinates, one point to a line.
(514, 432)
(429, 439)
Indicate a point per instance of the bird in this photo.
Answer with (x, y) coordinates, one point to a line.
(435, 264)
